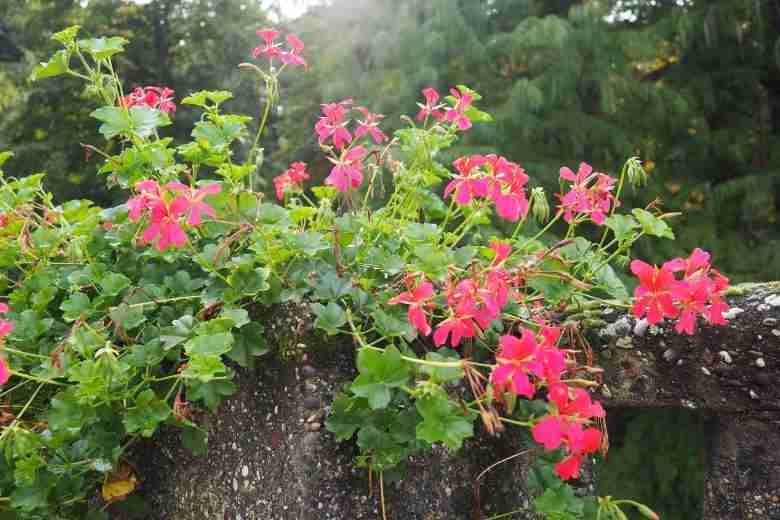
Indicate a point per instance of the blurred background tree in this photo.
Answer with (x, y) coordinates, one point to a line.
(690, 86)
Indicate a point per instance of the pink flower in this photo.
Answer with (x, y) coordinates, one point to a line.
(515, 360)
(6, 327)
(700, 291)
(347, 172)
(165, 225)
(149, 193)
(333, 124)
(160, 98)
(502, 251)
(653, 294)
(418, 300)
(293, 56)
(467, 185)
(508, 188)
(590, 194)
(430, 108)
(268, 47)
(457, 113)
(192, 200)
(370, 126)
(290, 179)
(5, 373)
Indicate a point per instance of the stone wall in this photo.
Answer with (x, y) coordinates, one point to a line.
(270, 457)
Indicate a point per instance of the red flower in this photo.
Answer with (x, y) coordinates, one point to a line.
(508, 188)
(466, 185)
(347, 172)
(653, 295)
(700, 291)
(515, 357)
(430, 108)
(418, 300)
(160, 98)
(291, 178)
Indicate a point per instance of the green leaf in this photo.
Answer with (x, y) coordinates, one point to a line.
(443, 421)
(182, 283)
(380, 371)
(102, 48)
(66, 36)
(348, 414)
(331, 287)
(212, 393)
(249, 344)
(209, 345)
(329, 318)
(201, 98)
(195, 440)
(622, 226)
(443, 374)
(146, 415)
(239, 317)
(56, 66)
(76, 306)
(653, 225)
(113, 283)
(141, 121)
(554, 290)
(390, 325)
(127, 317)
(558, 500)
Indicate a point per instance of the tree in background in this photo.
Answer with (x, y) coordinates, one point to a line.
(185, 45)
(692, 87)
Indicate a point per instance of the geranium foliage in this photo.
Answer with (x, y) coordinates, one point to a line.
(119, 320)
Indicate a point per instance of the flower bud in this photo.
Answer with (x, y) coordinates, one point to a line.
(637, 176)
(647, 512)
(540, 208)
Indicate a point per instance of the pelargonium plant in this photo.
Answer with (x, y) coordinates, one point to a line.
(451, 283)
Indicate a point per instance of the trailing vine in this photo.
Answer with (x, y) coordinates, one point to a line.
(461, 306)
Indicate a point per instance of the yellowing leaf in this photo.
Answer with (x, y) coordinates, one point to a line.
(119, 484)
(674, 187)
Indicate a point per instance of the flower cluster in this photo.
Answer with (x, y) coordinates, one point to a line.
(166, 205)
(471, 303)
(160, 98)
(441, 112)
(567, 426)
(491, 177)
(699, 290)
(5, 329)
(290, 179)
(590, 194)
(347, 158)
(273, 49)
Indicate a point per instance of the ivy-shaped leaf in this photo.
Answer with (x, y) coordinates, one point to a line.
(443, 421)
(380, 372)
(146, 414)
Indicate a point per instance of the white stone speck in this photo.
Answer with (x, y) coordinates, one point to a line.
(244, 470)
(776, 332)
(725, 356)
(760, 363)
(733, 313)
(688, 404)
(773, 300)
(753, 395)
(705, 371)
(641, 327)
